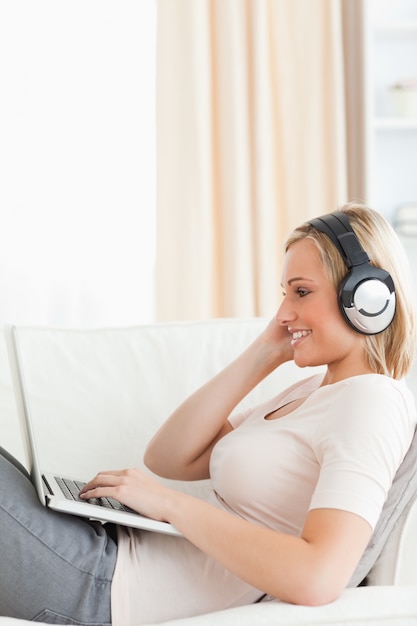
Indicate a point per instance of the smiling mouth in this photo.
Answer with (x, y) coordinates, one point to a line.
(299, 334)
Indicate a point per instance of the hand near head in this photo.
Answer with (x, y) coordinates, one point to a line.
(278, 340)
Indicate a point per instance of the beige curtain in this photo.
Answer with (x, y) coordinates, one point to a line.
(251, 142)
(355, 62)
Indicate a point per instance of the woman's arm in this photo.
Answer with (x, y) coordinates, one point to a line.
(312, 569)
(182, 446)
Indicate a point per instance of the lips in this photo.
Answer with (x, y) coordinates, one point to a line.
(299, 334)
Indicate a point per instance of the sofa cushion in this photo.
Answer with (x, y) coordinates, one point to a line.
(98, 395)
(401, 494)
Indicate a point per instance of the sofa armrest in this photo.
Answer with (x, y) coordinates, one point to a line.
(362, 606)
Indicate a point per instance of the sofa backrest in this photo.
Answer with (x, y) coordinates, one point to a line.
(98, 395)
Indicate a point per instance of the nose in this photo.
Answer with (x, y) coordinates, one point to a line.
(286, 313)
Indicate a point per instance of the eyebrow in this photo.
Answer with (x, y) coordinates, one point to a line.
(298, 278)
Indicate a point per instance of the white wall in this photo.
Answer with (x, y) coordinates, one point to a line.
(77, 161)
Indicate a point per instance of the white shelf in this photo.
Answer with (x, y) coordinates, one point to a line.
(395, 28)
(395, 123)
(391, 142)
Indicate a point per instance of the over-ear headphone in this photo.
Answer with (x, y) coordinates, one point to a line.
(366, 294)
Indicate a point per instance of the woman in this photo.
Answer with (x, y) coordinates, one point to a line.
(298, 484)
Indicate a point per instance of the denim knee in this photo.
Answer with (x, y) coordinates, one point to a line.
(53, 566)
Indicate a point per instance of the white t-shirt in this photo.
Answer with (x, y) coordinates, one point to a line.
(339, 449)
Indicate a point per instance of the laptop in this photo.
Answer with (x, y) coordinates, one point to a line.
(61, 492)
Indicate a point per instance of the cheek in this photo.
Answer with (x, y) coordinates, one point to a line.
(340, 337)
(333, 325)
(329, 311)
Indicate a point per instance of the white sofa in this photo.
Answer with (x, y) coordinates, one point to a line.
(115, 386)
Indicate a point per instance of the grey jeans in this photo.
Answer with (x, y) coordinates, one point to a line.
(54, 568)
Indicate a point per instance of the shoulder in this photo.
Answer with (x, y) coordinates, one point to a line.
(386, 394)
(374, 390)
(370, 405)
(377, 382)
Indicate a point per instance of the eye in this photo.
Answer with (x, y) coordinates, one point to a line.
(301, 292)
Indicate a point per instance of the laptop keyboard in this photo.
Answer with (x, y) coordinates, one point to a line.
(71, 490)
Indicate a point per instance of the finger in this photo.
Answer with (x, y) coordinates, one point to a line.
(102, 479)
(99, 492)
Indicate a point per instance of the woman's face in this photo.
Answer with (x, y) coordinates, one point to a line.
(320, 335)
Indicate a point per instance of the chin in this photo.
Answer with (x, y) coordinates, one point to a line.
(302, 363)
(305, 362)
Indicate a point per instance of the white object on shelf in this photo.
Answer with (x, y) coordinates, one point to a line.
(403, 99)
(406, 220)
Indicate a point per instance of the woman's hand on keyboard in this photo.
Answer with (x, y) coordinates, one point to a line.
(133, 488)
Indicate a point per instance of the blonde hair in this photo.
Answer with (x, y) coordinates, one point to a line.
(392, 351)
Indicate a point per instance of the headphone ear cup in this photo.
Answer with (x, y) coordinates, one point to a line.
(367, 299)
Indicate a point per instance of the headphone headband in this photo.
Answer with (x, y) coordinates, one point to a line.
(337, 227)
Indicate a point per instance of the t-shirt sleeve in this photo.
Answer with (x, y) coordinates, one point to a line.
(360, 450)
